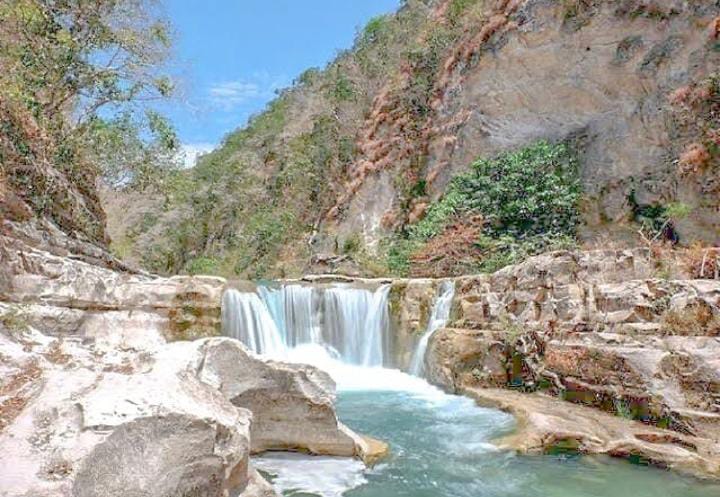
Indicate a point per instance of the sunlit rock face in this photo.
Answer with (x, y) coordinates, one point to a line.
(84, 422)
(101, 395)
(66, 294)
(598, 329)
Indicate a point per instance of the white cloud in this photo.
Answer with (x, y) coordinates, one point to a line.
(259, 86)
(191, 151)
(234, 92)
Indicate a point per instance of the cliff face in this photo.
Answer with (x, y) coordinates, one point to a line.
(354, 154)
(590, 350)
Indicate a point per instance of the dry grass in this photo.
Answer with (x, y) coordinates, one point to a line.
(15, 392)
(454, 251)
(703, 262)
(698, 319)
(694, 159)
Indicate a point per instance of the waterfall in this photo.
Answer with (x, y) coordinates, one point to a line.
(352, 322)
(245, 317)
(356, 321)
(438, 318)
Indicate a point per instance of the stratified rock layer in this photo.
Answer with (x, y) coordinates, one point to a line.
(598, 329)
(101, 396)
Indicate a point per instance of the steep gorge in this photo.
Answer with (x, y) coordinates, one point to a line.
(352, 157)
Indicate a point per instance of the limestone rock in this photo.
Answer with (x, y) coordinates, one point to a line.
(63, 292)
(86, 428)
(258, 486)
(293, 405)
(546, 424)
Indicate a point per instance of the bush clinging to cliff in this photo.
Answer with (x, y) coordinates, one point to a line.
(527, 200)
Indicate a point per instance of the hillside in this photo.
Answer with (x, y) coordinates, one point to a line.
(458, 136)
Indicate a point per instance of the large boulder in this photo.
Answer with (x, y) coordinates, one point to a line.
(104, 414)
(293, 405)
(85, 427)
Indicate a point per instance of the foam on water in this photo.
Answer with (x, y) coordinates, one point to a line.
(350, 377)
(319, 475)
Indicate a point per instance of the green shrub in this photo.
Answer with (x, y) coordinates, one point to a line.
(342, 89)
(398, 255)
(374, 30)
(457, 8)
(534, 191)
(352, 245)
(528, 200)
(202, 265)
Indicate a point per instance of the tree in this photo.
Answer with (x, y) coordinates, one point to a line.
(73, 73)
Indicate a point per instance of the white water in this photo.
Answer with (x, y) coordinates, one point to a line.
(324, 476)
(245, 317)
(439, 443)
(438, 318)
(352, 321)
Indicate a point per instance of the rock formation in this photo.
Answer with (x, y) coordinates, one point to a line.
(101, 394)
(598, 329)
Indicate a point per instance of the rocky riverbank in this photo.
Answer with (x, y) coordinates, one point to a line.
(597, 329)
(103, 394)
(590, 350)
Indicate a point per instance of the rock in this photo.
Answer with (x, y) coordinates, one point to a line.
(546, 424)
(258, 486)
(373, 450)
(293, 405)
(111, 417)
(457, 357)
(62, 292)
(595, 329)
(410, 304)
(88, 429)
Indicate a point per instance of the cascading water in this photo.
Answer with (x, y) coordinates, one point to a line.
(352, 322)
(356, 321)
(245, 317)
(438, 318)
(300, 323)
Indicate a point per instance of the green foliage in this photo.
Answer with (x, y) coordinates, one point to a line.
(202, 265)
(374, 30)
(342, 88)
(309, 76)
(653, 218)
(352, 245)
(425, 59)
(527, 198)
(398, 252)
(457, 8)
(506, 250)
(68, 67)
(124, 158)
(534, 191)
(677, 211)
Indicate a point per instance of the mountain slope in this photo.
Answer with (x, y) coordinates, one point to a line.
(339, 170)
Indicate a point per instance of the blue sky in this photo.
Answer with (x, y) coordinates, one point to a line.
(232, 55)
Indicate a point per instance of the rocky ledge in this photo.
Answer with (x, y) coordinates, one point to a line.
(181, 419)
(548, 425)
(101, 394)
(628, 362)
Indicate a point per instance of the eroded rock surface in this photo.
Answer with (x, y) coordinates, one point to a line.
(179, 420)
(142, 425)
(100, 395)
(597, 329)
(61, 294)
(546, 425)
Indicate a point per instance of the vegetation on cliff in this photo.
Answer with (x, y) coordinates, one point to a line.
(518, 204)
(75, 77)
(349, 168)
